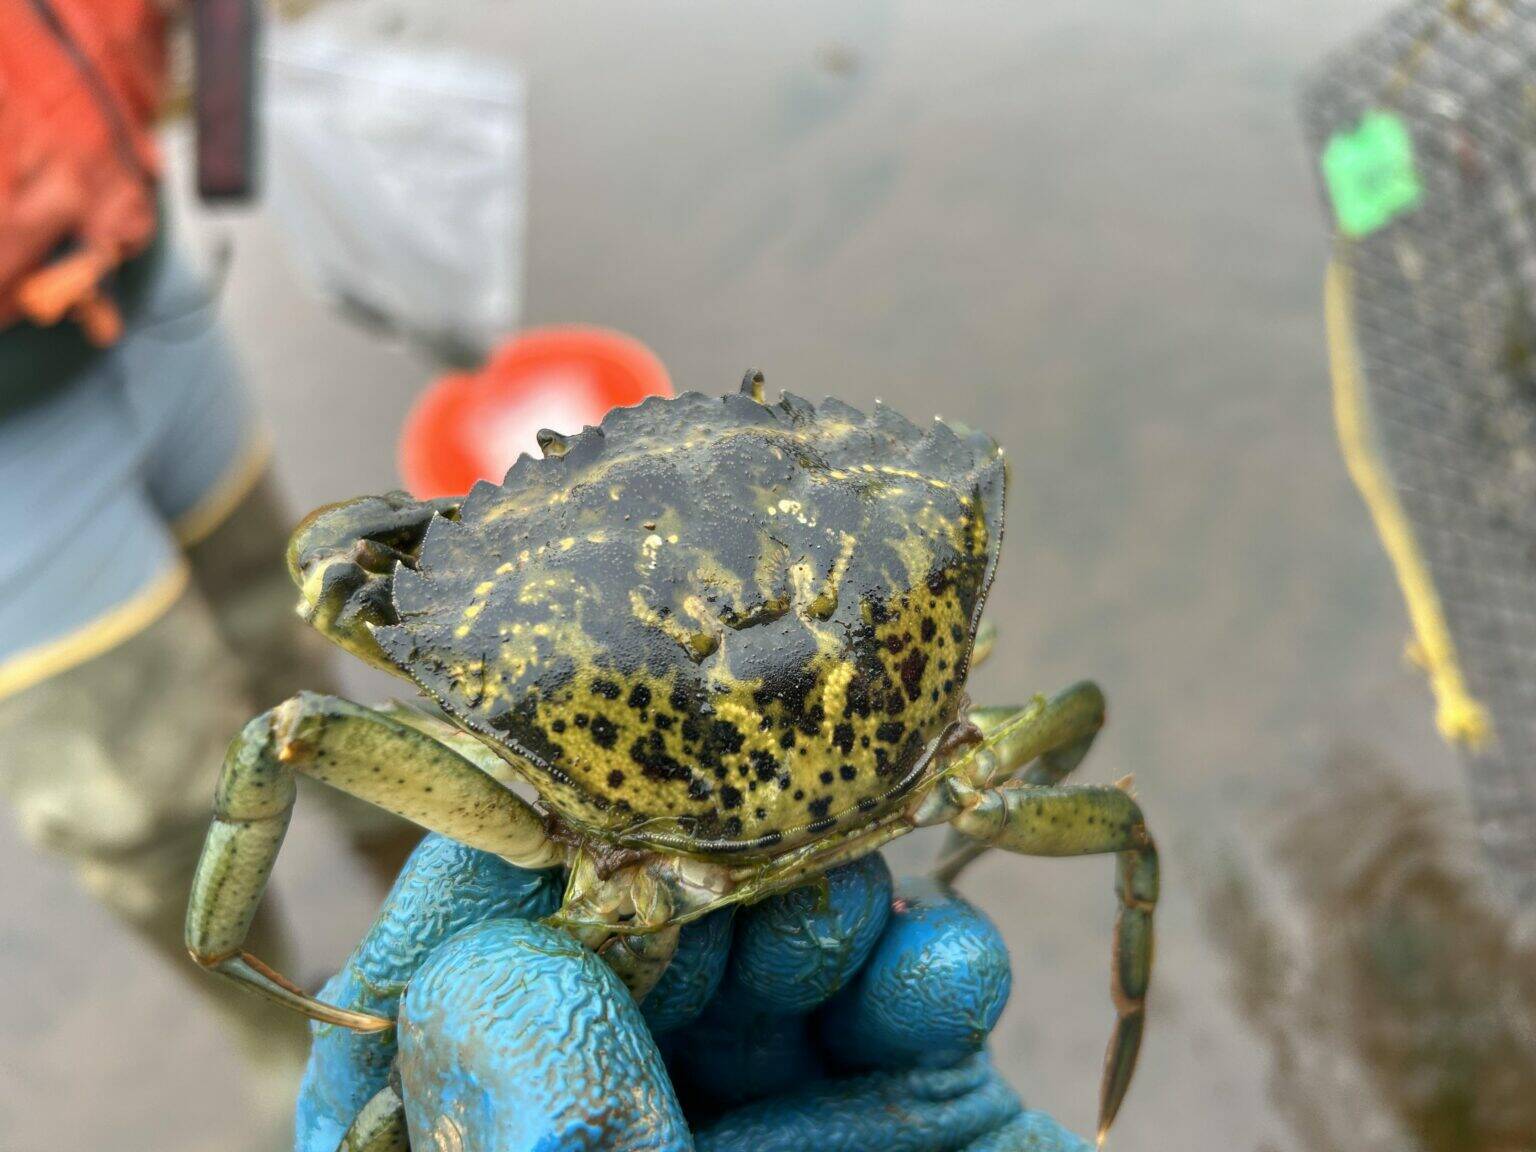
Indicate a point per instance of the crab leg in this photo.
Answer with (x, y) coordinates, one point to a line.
(379, 1126)
(1075, 820)
(367, 754)
(1051, 737)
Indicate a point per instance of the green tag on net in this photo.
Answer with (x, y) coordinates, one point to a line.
(1369, 173)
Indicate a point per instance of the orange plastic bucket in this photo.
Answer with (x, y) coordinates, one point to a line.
(473, 426)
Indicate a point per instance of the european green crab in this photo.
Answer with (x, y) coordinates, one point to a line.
(725, 641)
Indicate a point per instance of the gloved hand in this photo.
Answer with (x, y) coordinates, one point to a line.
(835, 1018)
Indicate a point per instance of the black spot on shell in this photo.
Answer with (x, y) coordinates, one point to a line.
(557, 725)
(615, 779)
(818, 807)
(928, 630)
(639, 698)
(847, 771)
(890, 732)
(725, 735)
(604, 732)
(699, 788)
(607, 689)
(912, 673)
(842, 736)
(581, 719)
(827, 777)
(730, 797)
(787, 739)
(860, 697)
(763, 764)
(651, 754)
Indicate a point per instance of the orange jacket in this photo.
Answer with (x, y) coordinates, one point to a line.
(80, 82)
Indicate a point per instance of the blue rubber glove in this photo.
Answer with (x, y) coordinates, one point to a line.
(839, 1017)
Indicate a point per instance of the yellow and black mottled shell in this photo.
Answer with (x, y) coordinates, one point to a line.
(715, 625)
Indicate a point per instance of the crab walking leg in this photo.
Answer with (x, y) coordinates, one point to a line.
(1054, 734)
(1051, 737)
(379, 1126)
(1077, 820)
(362, 752)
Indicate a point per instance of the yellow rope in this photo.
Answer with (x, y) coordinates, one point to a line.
(198, 522)
(102, 634)
(1461, 719)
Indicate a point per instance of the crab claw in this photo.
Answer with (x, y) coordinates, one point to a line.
(342, 558)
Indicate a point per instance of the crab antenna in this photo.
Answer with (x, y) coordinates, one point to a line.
(752, 385)
(551, 443)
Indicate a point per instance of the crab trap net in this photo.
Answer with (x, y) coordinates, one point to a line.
(1424, 135)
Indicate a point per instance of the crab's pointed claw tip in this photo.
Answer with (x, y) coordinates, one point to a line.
(1119, 1065)
(551, 443)
(752, 384)
(1101, 1139)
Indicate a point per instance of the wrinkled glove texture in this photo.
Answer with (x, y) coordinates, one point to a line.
(846, 1016)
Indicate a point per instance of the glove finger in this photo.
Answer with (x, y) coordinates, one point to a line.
(693, 976)
(443, 888)
(512, 1035)
(789, 954)
(794, 950)
(733, 1055)
(1030, 1132)
(932, 990)
(891, 1111)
